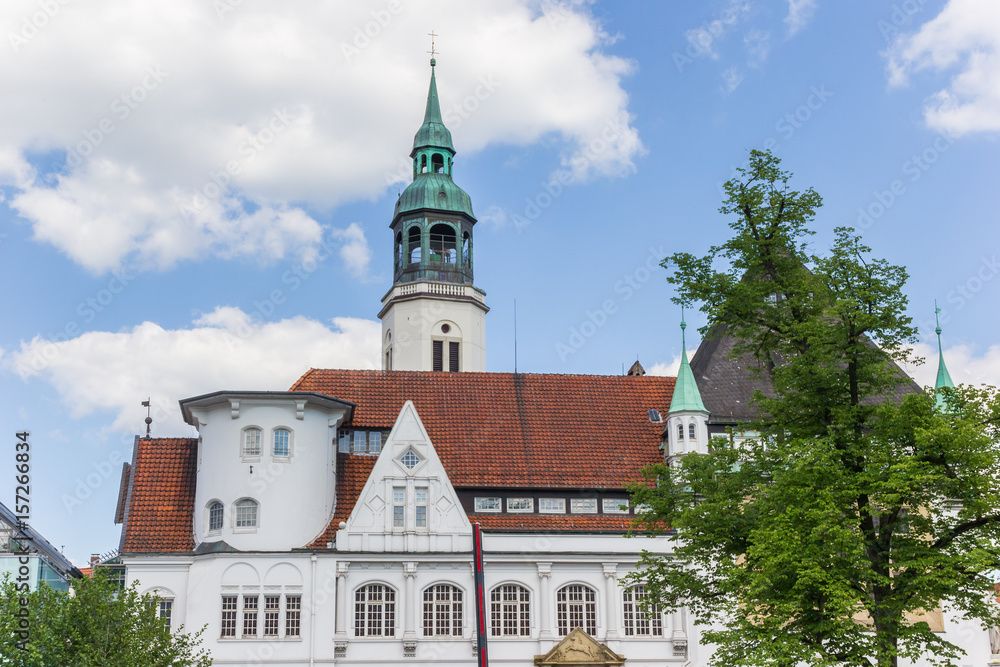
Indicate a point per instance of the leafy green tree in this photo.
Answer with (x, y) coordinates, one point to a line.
(858, 506)
(98, 625)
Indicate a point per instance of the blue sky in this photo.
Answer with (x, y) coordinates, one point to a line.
(196, 196)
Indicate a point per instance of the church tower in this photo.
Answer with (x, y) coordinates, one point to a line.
(433, 317)
(687, 419)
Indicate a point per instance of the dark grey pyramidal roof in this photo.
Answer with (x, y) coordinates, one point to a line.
(727, 384)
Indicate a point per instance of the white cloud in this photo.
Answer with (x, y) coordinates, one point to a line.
(703, 38)
(665, 368)
(965, 365)
(965, 35)
(800, 12)
(243, 118)
(731, 79)
(355, 251)
(227, 348)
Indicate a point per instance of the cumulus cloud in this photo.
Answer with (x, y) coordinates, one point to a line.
(354, 252)
(965, 364)
(965, 37)
(800, 12)
(224, 349)
(195, 129)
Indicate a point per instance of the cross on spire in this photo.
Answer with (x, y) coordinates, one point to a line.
(432, 35)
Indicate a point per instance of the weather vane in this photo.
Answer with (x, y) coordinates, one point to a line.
(432, 35)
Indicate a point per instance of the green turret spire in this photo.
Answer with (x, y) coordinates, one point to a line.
(686, 395)
(433, 133)
(943, 376)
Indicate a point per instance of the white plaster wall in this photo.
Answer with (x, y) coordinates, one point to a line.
(295, 496)
(414, 323)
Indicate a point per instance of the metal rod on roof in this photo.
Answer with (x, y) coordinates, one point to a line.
(515, 335)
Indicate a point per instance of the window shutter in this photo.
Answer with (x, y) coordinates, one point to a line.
(453, 357)
(438, 355)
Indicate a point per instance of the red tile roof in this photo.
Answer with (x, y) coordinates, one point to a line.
(516, 430)
(489, 429)
(161, 496)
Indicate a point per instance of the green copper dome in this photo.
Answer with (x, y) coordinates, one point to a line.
(686, 395)
(434, 191)
(433, 133)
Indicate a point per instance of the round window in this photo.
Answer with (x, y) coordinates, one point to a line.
(445, 328)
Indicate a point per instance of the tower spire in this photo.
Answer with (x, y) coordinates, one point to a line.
(686, 395)
(943, 376)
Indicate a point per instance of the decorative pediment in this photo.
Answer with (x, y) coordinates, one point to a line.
(408, 503)
(579, 648)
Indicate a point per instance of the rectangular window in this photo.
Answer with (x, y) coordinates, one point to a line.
(583, 505)
(398, 506)
(520, 504)
(359, 441)
(228, 616)
(640, 621)
(272, 607)
(437, 349)
(293, 615)
(166, 606)
(615, 506)
(552, 505)
(374, 441)
(487, 504)
(251, 442)
(421, 507)
(453, 357)
(344, 441)
(249, 616)
(281, 442)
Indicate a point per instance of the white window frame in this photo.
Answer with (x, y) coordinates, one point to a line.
(456, 610)
(576, 505)
(481, 508)
(521, 510)
(510, 618)
(236, 513)
(558, 506)
(243, 443)
(614, 505)
(564, 609)
(398, 507)
(291, 444)
(239, 615)
(636, 622)
(418, 505)
(208, 517)
(385, 607)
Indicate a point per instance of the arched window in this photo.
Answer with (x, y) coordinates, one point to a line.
(680, 431)
(691, 432)
(413, 244)
(375, 611)
(466, 249)
(443, 611)
(216, 512)
(510, 611)
(423, 164)
(437, 163)
(251, 442)
(444, 244)
(397, 256)
(576, 607)
(282, 442)
(640, 621)
(246, 513)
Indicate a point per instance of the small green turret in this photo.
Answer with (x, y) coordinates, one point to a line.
(943, 376)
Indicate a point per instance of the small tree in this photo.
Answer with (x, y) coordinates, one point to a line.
(858, 507)
(98, 625)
